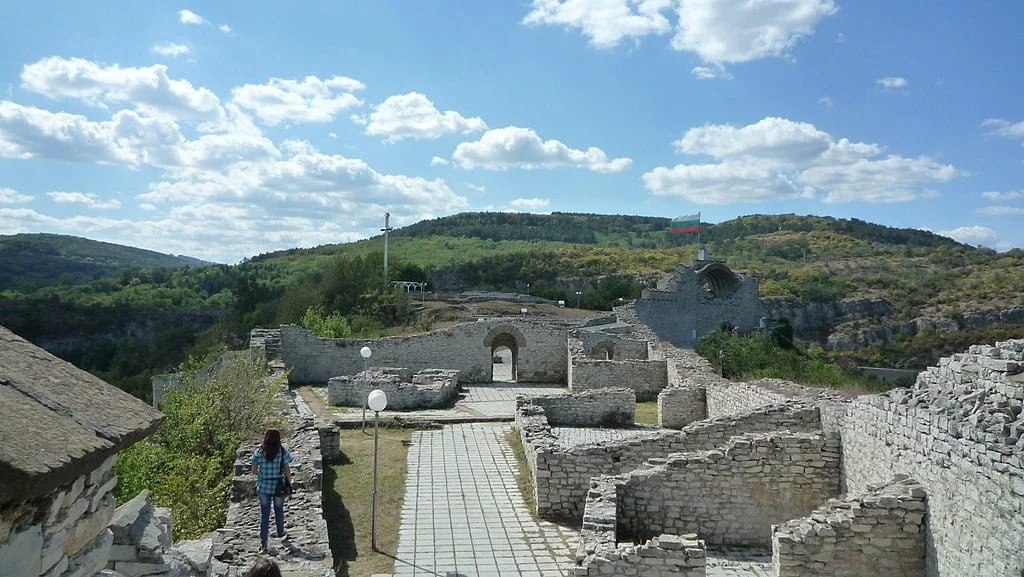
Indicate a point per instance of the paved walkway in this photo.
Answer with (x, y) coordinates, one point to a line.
(464, 515)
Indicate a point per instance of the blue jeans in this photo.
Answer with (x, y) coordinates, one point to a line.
(265, 499)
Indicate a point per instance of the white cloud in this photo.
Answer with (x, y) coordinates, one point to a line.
(88, 199)
(413, 115)
(840, 38)
(1005, 128)
(148, 88)
(825, 101)
(224, 28)
(1015, 195)
(438, 161)
(973, 235)
(308, 100)
(725, 31)
(718, 31)
(147, 206)
(515, 147)
(190, 17)
(478, 188)
(999, 210)
(332, 135)
(171, 49)
(530, 203)
(605, 22)
(778, 159)
(892, 82)
(711, 72)
(11, 196)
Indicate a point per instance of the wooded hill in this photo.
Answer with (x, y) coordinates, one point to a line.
(806, 261)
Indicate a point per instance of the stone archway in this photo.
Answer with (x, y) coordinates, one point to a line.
(603, 351)
(505, 342)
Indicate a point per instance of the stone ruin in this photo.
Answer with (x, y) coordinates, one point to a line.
(926, 481)
(405, 390)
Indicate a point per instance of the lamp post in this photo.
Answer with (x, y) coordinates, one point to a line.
(578, 293)
(365, 352)
(377, 401)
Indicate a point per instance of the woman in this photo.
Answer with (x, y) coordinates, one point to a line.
(270, 465)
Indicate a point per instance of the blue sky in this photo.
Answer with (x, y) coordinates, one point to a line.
(222, 132)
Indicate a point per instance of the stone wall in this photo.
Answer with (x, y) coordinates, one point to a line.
(682, 405)
(426, 389)
(603, 346)
(733, 495)
(646, 378)
(541, 354)
(880, 533)
(562, 474)
(600, 408)
(64, 533)
(959, 432)
(599, 552)
(729, 398)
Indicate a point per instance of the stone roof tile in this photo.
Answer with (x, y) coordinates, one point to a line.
(57, 421)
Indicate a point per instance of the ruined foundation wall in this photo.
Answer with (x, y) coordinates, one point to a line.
(613, 407)
(541, 358)
(733, 495)
(728, 398)
(960, 433)
(562, 475)
(879, 533)
(405, 391)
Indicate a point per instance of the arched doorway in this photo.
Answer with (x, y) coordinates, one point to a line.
(504, 343)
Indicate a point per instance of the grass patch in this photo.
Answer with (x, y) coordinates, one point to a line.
(524, 478)
(348, 488)
(646, 413)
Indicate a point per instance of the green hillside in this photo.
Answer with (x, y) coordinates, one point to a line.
(112, 292)
(30, 261)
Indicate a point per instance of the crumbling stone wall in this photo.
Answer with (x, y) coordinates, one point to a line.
(64, 532)
(600, 553)
(731, 496)
(597, 344)
(562, 474)
(613, 407)
(541, 354)
(960, 433)
(646, 378)
(426, 389)
(682, 405)
(879, 533)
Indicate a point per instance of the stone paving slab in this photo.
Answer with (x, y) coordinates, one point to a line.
(463, 513)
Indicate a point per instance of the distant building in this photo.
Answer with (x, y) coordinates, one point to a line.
(698, 298)
(61, 429)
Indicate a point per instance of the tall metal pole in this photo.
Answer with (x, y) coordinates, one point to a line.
(386, 230)
(373, 513)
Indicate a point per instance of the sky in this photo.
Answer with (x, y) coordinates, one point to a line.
(222, 130)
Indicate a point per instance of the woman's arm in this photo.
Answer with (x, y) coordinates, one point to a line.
(288, 472)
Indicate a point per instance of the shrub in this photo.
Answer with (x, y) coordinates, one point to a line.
(187, 463)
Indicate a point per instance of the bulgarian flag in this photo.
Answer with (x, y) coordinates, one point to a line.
(689, 223)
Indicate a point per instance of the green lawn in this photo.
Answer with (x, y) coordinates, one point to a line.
(348, 488)
(646, 413)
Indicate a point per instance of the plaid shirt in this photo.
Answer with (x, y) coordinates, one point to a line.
(270, 471)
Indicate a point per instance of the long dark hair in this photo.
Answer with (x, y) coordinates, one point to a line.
(271, 444)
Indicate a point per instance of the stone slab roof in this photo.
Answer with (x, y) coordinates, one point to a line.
(58, 422)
